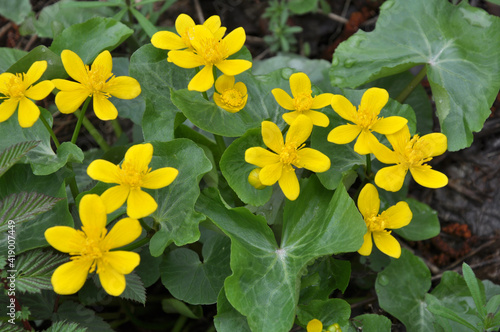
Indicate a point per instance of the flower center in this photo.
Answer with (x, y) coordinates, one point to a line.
(210, 49)
(98, 77)
(303, 102)
(415, 152)
(92, 250)
(232, 97)
(131, 176)
(375, 223)
(288, 155)
(366, 119)
(15, 86)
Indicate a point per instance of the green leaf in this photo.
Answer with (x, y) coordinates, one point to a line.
(193, 281)
(236, 170)
(55, 68)
(263, 272)
(176, 306)
(67, 152)
(229, 319)
(149, 267)
(464, 85)
(175, 213)
(20, 178)
(14, 153)
(24, 206)
(9, 56)
(65, 327)
(372, 323)
(424, 224)
(145, 24)
(473, 285)
(70, 311)
(134, 290)
(16, 11)
(35, 268)
(439, 310)
(300, 7)
(41, 305)
(156, 75)
(90, 38)
(493, 304)
(329, 312)
(402, 294)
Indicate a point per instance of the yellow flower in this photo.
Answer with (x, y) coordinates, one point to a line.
(395, 217)
(170, 41)
(18, 89)
(210, 50)
(133, 175)
(97, 81)
(90, 249)
(365, 120)
(303, 102)
(410, 154)
(254, 180)
(230, 96)
(277, 166)
(314, 325)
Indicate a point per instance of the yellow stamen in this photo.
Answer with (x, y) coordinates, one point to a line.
(131, 176)
(415, 152)
(288, 155)
(375, 223)
(303, 101)
(98, 77)
(232, 98)
(366, 119)
(15, 87)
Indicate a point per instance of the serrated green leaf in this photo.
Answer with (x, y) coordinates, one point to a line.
(229, 319)
(156, 75)
(372, 323)
(447, 42)
(9, 56)
(14, 153)
(193, 281)
(16, 11)
(62, 326)
(329, 312)
(175, 213)
(424, 224)
(134, 290)
(55, 68)
(263, 272)
(409, 288)
(236, 170)
(70, 311)
(41, 305)
(90, 38)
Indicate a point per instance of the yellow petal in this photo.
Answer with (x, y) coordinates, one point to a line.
(7, 108)
(104, 171)
(261, 157)
(40, 90)
(123, 262)
(391, 178)
(167, 40)
(104, 63)
(300, 83)
(254, 179)
(139, 156)
(123, 87)
(272, 137)
(159, 178)
(438, 144)
(389, 125)
(318, 119)
(219, 33)
(397, 216)
(212, 23)
(314, 325)
(233, 67)
(369, 201)
(74, 66)
(114, 197)
(289, 183)
(5, 83)
(140, 204)
(300, 130)
(366, 248)
(270, 174)
(313, 160)
(103, 108)
(65, 85)
(290, 117)
(224, 82)
(386, 243)
(343, 107)
(399, 139)
(383, 153)
(92, 215)
(69, 101)
(344, 134)
(28, 113)
(111, 280)
(70, 277)
(373, 100)
(124, 232)
(322, 100)
(241, 88)
(283, 99)
(35, 72)
(183, 23)
(234, 41)
(65, 239)
(425, 176)
(203, 80)
(185, 59)
(364, 142)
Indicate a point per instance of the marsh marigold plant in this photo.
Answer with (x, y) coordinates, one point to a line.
(91, 249)
(96, 81)
(131, 176)
(19, 90)
(277, 164)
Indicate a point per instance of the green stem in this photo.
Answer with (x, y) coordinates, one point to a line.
(412, 85)
(145, 226)
(220, 143)
(72, 183)
(94, 132)
(130, 15)
(117, 128)
(51, 132)
(368, 169)
(135, 245)
(80, 116)
(179, 324)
